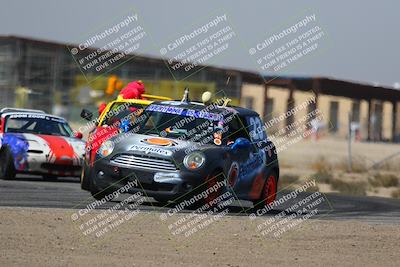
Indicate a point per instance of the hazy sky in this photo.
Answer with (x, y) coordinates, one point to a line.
(362, 37)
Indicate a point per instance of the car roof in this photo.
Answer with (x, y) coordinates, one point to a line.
(8, 109)
(3, 114)
(200, 106)
(245, 111)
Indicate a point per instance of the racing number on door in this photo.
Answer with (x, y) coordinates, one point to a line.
(256, 130)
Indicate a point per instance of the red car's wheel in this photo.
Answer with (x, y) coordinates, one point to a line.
(269, 190)
(268, 194)
(211, 181)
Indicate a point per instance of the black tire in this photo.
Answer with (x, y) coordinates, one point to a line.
(210, 180)
(7, 168)
(162, 200)
(85, 178)
(49, 177)
(263, 199)
(99, 194)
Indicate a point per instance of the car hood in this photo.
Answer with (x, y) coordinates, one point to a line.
(59, 145)
(152, 145)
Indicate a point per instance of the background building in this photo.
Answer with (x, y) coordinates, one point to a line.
(47, 70)
(373, 109)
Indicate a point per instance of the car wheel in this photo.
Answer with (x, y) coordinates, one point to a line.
(49, 177)
(85, 178)
(268, 194)
(162, 200)
(99, 194)
(210, 181)
(7, 168)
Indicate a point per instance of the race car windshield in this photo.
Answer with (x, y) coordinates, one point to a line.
(37, 125)
(185, 126)
(121, 111)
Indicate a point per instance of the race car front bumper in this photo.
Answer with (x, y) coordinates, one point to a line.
(153, 183)
(38, 164)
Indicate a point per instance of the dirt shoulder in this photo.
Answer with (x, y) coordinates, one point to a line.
(48, 237)
(327, 162)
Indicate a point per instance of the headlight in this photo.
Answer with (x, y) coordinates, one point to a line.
(79, 148)
(106, 148)
(194, 160)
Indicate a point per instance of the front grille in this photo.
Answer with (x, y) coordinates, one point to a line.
(35, 151)
(60, 167)
(144, 162)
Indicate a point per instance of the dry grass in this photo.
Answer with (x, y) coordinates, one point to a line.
(284, 164)
(350, 188)
(323, 170)
(396, 193)
(287, 180)
(384, 180)
(292, 181)
(358, 165)
(324, 177)
(313, 189)
(326, 160)
(389, 165)
(321, 165)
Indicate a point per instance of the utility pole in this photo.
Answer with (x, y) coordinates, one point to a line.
(349, 167)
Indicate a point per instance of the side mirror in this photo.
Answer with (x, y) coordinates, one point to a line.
(241, 143)
(86, 114)
(78, 135)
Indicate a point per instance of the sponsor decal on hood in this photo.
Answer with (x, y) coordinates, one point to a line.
(158, 142)
(151, 150)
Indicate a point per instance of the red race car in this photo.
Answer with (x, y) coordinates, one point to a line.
(32, 141)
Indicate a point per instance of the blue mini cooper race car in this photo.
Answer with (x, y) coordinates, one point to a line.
(176, 148)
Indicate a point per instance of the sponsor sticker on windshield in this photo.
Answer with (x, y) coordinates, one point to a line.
(35, 116)
(185, 112)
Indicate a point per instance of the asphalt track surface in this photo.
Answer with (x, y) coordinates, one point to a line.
(32, 191)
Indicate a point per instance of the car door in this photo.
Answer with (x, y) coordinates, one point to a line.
(259, 138)
(236, 174)
(256, 162)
